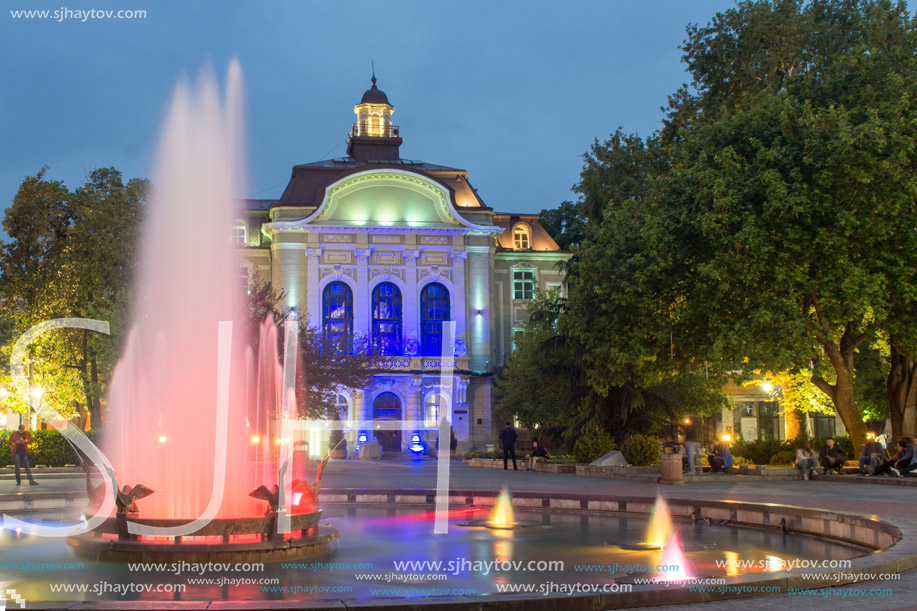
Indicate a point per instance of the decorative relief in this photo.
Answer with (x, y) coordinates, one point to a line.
(459, 255)
(337, 238)
(313, 252)
(363, 253)
(387, 272)
(337, 271)
(410, 255)
(434, 272)
(385, 258)
(434, 239)
(385, 239)
(434, 258)
(338, 256)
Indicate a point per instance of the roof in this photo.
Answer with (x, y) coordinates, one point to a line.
(308, 182)
(374, 95)
(539, 239)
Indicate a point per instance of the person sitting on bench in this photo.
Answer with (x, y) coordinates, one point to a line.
(832, 457)
(902, 462)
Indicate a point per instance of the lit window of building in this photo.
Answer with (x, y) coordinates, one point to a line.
(523, 285)
(521, 237)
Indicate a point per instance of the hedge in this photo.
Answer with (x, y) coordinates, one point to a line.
(49, 448)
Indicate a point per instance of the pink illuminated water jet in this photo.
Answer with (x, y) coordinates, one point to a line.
(161, 428)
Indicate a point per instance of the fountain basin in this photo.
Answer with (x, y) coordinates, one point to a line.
(235, 539)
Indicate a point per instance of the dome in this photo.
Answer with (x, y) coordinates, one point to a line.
(374, 95)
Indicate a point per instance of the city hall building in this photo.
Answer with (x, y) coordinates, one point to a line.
(377, 246)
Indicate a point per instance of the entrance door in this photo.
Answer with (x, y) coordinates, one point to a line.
(387, 406)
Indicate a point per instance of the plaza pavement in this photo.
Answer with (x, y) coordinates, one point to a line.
(848, 496)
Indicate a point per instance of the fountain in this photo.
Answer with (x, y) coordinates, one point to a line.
(674, 563)
(658, 532)
(502, 515)
(172, 431)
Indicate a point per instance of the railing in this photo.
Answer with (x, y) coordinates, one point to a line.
(419, 363)
(366, 128)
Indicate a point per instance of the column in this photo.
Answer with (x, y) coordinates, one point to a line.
(413, 412)
(359, 411)
(459, 309)
(313, 313)
(478, 335)
(411, 305)
(361, 296)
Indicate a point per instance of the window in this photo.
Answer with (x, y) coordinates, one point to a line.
(823, 425)
(517, 336)
(433, 409)
(341, 407)
(239, 233)
(523, 285)
(386, 320)
(521, 237)
(337, 314)
(434, 309)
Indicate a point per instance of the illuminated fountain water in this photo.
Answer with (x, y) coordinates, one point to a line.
(502, 514)
(659, 529)
(193, 412)
(674, 562)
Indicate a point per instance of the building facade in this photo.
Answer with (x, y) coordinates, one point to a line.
(376, 246)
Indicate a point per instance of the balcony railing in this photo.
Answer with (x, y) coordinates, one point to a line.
(374, 130)
(419, 363)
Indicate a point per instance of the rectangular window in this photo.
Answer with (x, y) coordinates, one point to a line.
(517, 336)
(523, 285)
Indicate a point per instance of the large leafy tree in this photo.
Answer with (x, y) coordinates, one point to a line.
(71, 254)
(548, 357)
(774, 230)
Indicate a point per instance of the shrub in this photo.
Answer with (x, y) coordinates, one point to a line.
(738, 461)
(783, 457)
(594, 444)
(48, 448)
(759, 452)
(641, 450)
(484, 454)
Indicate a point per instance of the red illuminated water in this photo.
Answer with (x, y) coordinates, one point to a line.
(162, 409)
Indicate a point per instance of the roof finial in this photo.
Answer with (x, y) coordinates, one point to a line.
(373, 64)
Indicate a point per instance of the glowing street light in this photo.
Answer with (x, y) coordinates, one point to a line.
(727, 437)
(163, 439)
(767, 387)
(38, 392)
(256, 439)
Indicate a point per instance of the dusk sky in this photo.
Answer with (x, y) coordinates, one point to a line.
(513, 92)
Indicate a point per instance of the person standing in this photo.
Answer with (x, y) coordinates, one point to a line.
(19, 448)
(692, 447)
(508, 441)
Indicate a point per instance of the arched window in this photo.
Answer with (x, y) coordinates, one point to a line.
(337, 315)
(434, 309)
(239, 233)
(341, 407)
(433, 407)
(386, 320)
(521, 237)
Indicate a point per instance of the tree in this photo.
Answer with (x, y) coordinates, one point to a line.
(324, 367)
(72, 254)
(548, 358)
(774, 230)
(565, 224)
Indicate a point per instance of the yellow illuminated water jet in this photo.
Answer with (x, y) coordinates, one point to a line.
(502, 515)
(660, 527)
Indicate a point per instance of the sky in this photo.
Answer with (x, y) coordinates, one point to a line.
(513, 92)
